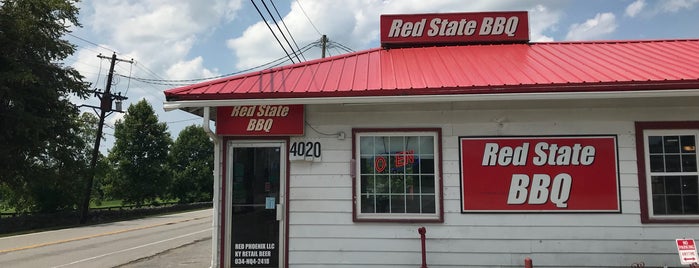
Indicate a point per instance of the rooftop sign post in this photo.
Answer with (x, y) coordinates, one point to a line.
(454, 28)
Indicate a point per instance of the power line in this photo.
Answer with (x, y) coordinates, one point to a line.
(270, 29)
(92, 43)
(170, 82)
(309, 19)
(280, 30)
(287, 29)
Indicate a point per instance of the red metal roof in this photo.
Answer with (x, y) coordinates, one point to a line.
(469, 69)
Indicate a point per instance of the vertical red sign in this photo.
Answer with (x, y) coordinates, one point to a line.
(539, 174)
(260, 120)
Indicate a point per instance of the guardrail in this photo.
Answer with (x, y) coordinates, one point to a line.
(16, 222)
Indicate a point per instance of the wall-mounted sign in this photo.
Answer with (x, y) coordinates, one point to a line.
(687, 251)
(305, 150)
(260, 120)
(539, 174)
(454, 28)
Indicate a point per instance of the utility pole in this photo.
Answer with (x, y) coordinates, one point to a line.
(323, 45)
(105, 107)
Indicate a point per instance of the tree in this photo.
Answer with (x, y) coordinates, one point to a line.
(39, 139)
(192, 162)
(138, 159)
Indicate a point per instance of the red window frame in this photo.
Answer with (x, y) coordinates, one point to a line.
(641, 163)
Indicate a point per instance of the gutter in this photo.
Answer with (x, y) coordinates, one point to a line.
(353, 100)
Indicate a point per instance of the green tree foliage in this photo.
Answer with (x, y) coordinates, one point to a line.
(191, 162)
(40, 145)
(139, 173)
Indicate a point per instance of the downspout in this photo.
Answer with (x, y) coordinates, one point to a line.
(216, 222)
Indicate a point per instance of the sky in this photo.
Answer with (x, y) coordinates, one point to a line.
(174, 40)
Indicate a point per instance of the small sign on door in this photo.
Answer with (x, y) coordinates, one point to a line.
(270, 203)
(687, 251)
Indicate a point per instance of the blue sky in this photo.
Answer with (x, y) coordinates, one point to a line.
(192, 39)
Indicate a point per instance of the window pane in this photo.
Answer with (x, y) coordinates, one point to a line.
(657, 163)
(397, 204)
(658, 184)
(397, 163)
(366, 165)
(426, 166)
(381, 184)
(366, 145)
(367, 203)
(688, 144)
(427, 184)
(426, 145)
(673, 185)
(428, 204)
(689, 163)
(659, 205)
(367, 185)
(674, 204)
(397, 144)
(689, 185)
(690, 204)
(382, 204)
(671, 144)
(655, 144)
(412, 184)
(412, 203)
(672, 163)
(397, 184)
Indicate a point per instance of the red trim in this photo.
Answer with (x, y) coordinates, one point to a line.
(641, 163)
(438, 131)
(286, 140)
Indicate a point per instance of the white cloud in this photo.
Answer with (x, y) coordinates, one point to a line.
(677, 5)
(187, 69)
(600, 26)
(160, 32)
(542, 19)
(634, 8)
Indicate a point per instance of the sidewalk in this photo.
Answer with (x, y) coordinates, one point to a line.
(197, 254)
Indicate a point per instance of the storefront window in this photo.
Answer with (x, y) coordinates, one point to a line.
(397, 175)
(670, 174)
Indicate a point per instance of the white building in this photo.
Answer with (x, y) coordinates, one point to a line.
(577, 154)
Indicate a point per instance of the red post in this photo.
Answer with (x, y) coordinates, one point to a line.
(528, 263)
(422, 232)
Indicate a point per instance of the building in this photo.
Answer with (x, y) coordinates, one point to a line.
(575, 154)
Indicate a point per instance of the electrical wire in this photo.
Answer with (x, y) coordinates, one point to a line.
(92, 43)
(270, 29)
(287, 29)
(280, 30)
(169, 82)
(309, 19)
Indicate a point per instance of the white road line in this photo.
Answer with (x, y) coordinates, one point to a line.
(128, 249)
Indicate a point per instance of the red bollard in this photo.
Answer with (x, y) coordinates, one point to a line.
(422, 232)
(528, 263)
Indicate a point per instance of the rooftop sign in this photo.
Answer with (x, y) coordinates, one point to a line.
(454, 28)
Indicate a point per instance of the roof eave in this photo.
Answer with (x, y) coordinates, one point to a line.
(182, 104)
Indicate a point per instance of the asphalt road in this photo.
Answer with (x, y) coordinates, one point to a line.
(146, 241)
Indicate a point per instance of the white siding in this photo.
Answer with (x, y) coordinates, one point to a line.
(322, 233)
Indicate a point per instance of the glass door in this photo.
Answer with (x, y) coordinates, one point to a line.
(256, 204)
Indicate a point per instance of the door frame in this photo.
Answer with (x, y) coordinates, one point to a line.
(230, 143)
